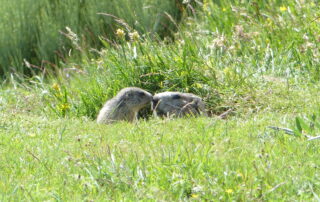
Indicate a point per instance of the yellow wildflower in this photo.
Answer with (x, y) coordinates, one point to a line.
(134, 36)
(120, 33)
(64, 107)
(56, 87)
(229, 191)
(194, 195)
(283, 8)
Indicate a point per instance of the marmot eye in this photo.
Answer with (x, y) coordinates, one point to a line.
(176, 97)
(141, 94)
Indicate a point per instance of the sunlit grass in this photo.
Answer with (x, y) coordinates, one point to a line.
(222, 55)
(258, 60)
(202, 158)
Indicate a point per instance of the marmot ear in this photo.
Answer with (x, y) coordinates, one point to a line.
(176, 97)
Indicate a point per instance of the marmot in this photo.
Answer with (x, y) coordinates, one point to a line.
(124, 106)
(177, 104)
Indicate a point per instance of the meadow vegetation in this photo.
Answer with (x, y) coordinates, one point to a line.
(257, 59)
(34, 33)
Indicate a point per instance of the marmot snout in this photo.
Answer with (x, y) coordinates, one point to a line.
(177, 104)
(125, 105)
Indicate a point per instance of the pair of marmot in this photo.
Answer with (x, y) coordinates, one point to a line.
(128, 102)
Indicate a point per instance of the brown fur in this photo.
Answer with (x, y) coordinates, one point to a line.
(124, 106)
(177, 104)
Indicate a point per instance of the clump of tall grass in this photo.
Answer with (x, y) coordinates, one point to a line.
(152, 65)
(216, 55)
(32, 31)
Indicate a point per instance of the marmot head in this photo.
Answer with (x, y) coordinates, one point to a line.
(135, 98)
(177, 104)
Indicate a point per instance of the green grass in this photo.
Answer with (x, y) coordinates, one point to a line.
(33, 32)
(45, 158)
(222, 64)
(258, 59)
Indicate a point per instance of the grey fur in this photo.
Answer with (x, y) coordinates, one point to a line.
(177, 104)
(124, 106)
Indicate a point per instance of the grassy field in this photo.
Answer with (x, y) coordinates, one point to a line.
(35, 33)
(259, 60)
(45, 158)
